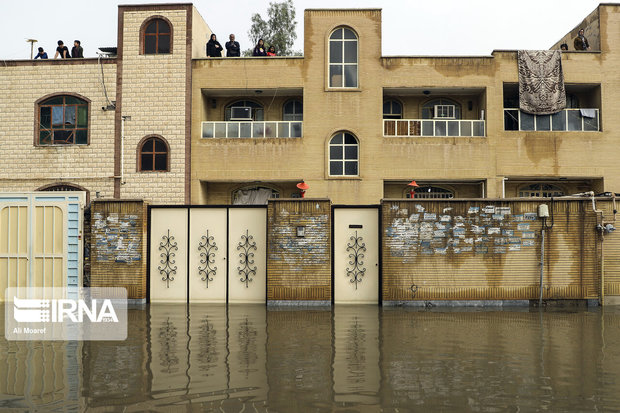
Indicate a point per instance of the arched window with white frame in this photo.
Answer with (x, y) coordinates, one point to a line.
(343, 155)
(343, 58)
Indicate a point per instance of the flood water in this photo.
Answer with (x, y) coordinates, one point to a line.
(249, 358)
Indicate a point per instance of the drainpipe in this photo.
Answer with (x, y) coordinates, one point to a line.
(504, 179)
(542, 264)
(123, 119)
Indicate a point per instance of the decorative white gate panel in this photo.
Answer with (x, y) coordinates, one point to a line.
(356, 255)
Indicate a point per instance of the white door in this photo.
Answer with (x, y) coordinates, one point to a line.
(356, 255)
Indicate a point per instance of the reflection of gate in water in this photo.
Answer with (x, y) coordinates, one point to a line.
(207, 254)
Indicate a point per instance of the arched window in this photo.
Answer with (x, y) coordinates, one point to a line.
(392, 109)
(63, 120)
(153, 155)
(64, 187)
(244, 110)
(343, 155)
(343, 58)
(540, 190)
(429, 192)
(441, 109)
(156, 36)
(254, 195)
(293, 110)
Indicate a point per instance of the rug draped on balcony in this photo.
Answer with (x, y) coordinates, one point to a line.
(541, 82)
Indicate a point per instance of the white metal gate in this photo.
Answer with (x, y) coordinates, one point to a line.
(356, 255)
(207, 254)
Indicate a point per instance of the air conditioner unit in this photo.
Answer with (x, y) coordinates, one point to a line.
(241, 113)
(445, 111)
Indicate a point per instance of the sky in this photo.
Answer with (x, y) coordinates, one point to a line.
(410, 27)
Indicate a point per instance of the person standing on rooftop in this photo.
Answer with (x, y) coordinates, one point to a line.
(232, 47)
(77, 50)
(214, 48)
(581, 42)
(41, 54)
(259, 50)
(62, 51)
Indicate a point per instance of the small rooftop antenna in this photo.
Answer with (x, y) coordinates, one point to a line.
(32, 42)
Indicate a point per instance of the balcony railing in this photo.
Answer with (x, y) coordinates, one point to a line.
(252, 129)
(579, 120)
(432, 127)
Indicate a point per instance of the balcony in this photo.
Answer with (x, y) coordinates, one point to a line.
(567, 120)
(252, 129)
(433, 127)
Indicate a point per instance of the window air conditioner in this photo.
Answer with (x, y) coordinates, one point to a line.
(241, 113)
(444, 111)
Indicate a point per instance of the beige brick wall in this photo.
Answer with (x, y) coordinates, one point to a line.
(26, 167)
(153, 94)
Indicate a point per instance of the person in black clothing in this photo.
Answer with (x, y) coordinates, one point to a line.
(62, 51)
(214, 48)
(77, 50)
(259, 50)
(232, 48)
(41, 54)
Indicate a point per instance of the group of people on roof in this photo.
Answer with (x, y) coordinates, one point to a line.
(214, 48)
(63, 52)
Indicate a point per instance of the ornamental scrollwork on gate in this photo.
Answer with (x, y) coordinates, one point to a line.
(246, 246)
(167, 269)
(356, 249)
(207, 248)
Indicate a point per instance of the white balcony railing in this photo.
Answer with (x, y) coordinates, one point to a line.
(578, 120)
(252, 129)
(432, 127)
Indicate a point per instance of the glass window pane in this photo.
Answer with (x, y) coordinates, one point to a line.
(259, 114)
(63, 137)
(440, 128)
(337, 34)
(149, 44)
(511, 120)
(58, 100)
(558, 121)
(387, 107)
(350, 76)
(350, 168)
(479, 128)
(350, 139)
(335, 168)
(453, 128)
(163, 27)
(45, 138)
(148, 146)
(146, 162)
(427, 128)
(348, 34)
(220, 130)
(259, 130)
(543, 122)
(46, 116)
(335, 76)
(151, 27)
(69, 116)
(82, 120)
(270, 130)
(289, 107)
(466, 128)
(72, 100)
(574, 120)
(163, 46)
(350, 152)
(335, 152)
(160, 146)
(81, 136)
(233, 130)
(283, 130)
(207, 130)
(299, 107)
(527, 121)
(337, 139)
(590, 124)
(161, 162)
(245, 130)
(296, 130)
(57, 115)
(350, 52)
(335, 52)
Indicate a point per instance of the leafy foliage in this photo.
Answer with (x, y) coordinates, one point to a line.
(279, 30)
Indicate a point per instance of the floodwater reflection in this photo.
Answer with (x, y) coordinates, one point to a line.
(350, 358)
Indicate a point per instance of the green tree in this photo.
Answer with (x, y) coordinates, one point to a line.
(279, 30)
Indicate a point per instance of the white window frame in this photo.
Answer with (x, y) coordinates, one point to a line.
(343, 64)
(343, 159)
